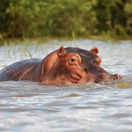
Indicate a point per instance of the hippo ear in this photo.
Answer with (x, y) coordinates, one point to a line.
(61, 51)
(94, 50)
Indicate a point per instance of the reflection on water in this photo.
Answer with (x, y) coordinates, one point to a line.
(125, 84)
(27, 106)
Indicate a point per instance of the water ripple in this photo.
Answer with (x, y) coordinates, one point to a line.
(27, 106)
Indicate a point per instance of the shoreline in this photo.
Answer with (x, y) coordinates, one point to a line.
(40, 40)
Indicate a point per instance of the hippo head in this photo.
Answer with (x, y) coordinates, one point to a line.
(73, 65)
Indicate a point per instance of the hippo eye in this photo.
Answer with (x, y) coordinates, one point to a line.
(72, 60)
(94, 62)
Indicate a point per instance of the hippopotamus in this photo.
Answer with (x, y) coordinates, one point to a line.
(62, 66)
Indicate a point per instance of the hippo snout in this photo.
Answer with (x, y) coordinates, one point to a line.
(116, 77)
(107, 77)
(101, 77)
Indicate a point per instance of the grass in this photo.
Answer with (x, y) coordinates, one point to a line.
(42, 40)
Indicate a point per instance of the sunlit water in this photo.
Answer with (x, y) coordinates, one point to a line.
(30, 107)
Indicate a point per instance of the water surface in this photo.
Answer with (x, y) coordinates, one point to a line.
(27, 106)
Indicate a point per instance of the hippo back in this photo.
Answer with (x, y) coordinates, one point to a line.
(13, 71)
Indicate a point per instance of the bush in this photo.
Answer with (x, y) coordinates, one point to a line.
(30, 18)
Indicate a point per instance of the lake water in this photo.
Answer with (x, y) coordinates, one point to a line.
(30, 107)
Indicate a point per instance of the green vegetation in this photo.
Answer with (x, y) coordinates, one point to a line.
(65, 18)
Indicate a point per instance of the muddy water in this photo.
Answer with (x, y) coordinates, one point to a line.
(27, 106)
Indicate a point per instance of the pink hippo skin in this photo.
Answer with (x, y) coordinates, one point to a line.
(63, 66)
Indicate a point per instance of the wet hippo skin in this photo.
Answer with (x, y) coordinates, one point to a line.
(63, 66)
